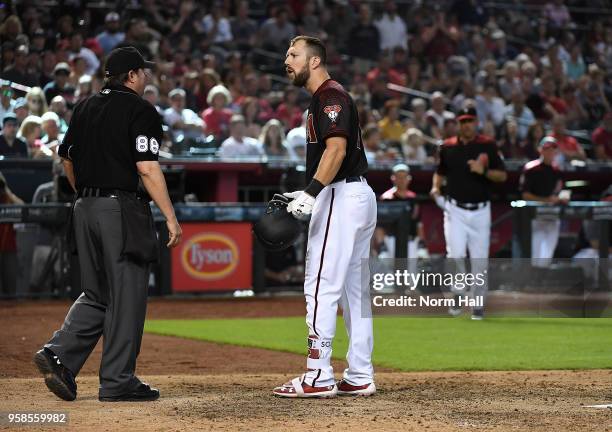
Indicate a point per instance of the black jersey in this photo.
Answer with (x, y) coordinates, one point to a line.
(462, 184)
(540, 179)
(109, 132)
(332, 112)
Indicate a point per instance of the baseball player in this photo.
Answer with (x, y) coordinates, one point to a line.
(342, 207)
(541, 181)
(469, 163)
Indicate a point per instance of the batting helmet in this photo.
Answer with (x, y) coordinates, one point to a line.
(277, 229)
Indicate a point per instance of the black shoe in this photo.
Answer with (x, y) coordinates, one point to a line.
(478, 314)
(58, 378)
(142, 393)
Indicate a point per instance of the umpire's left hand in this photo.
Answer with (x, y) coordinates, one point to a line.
(174, 233)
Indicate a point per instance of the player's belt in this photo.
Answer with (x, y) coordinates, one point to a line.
(354, 179)
(468, 205)
(91, 192)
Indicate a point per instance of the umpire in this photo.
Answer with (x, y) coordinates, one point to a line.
(113, 140)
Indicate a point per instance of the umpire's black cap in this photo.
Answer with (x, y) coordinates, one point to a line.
(125, 59)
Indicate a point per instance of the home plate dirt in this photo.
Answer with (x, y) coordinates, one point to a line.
(206, 386)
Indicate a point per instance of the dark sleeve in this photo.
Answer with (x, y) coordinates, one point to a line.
(525, 182)
(334, 114)
(495, 161)
(146, 133)
(442, 168)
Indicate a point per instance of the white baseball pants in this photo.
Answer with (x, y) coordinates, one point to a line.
(544, 239)
(341, 228)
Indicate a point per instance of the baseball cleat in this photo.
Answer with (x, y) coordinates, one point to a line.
(346, 389)
(478, 314)
(455, 311)
(59, 380)
(297, 388)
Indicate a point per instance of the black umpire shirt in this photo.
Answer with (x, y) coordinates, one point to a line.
(332, 112)
(540, 179)
(109, 132)
(462, 184)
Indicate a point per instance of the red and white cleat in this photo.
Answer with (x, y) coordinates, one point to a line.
(346, 389)
(297, 388)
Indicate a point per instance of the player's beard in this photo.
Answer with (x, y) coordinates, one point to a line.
(300, 79)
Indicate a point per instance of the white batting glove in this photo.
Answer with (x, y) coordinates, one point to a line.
(302, 204)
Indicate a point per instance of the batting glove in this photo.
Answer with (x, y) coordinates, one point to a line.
(302, 204)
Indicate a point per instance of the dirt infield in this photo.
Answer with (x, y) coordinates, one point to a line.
(208, 386)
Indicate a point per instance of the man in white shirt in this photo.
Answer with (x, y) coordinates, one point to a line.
(392, 28)
(183, 121)
(238, 145)
(520, 113)
(78, 50)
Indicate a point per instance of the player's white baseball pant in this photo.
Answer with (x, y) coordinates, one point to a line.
(468, 230)
(544, 239)
(341, 228)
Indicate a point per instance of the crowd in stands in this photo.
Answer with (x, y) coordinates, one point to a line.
(530, 70)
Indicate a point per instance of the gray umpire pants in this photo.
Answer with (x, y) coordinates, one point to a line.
(113, 302)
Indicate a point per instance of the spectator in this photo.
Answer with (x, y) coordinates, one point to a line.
(244, 29)
(371, 142)
(440, 38)
(575, 113)
(10, 145)
(78, 50)
(185, 124)
(217, 116)
(59, 107)
(17, 71)
(7, 103)
(272, 139)
(296, 140)
(391, 129)
(217, 27)
(79, 68)
(490, 107)
(510, 81)
(251, 112)
(413, 146)
(595, 105)
(59, 85)
(151, 95)
(530, 149)
(50, 123)
(37, 103)
(520, 113)
(502, 52)
(288, 111)
(21, 109)
(364, 37)
(84, 88)
(575, 67)
(602, 139)
(30, 132)
(238, 145)
(391, 28)
(111, 36)
(276, 32)
(557, 14)
(510, 146)
(568, 146)
(437, 114)
(419, 118)
(8, 243)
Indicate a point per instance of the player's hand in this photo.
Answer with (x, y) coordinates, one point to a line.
(174, 233)
(302, 204)
(476, 166)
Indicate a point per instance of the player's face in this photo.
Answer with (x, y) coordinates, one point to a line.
(401, 179)
(296, 64)
(467, 128)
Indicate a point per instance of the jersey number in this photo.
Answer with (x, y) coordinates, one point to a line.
(144, 144)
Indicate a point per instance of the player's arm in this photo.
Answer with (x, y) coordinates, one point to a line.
(496, 175)
(436, 184)
(528, 196)
(331, 160)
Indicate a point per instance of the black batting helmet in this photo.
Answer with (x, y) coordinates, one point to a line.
(277, 229)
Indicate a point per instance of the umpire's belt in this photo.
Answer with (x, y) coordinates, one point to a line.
(468, 205)
(91, 192)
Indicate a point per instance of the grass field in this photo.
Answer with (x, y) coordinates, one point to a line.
(434, 344)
